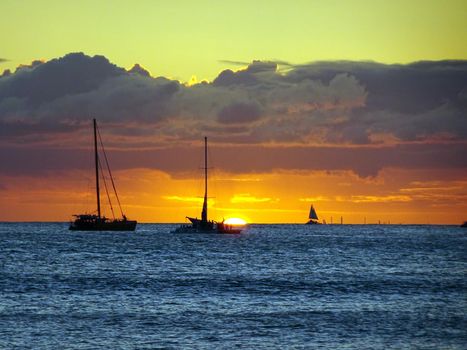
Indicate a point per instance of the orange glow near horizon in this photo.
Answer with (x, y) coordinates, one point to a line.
(395, 196)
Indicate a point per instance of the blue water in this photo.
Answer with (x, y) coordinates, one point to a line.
(272, 287)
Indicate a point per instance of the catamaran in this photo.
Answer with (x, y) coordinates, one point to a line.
(313, 217)
(204, 225)
(98, 222)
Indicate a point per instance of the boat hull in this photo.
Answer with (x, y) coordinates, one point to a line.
(199, 226)
(313, 222)
(114, 225)
(191, 229)
(228, 229)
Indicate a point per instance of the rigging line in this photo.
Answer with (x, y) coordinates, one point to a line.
(110, 173)
(106, 190)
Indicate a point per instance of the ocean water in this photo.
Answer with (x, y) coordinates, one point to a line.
(272, 287)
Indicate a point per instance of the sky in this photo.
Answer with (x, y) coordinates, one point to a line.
(356, 107)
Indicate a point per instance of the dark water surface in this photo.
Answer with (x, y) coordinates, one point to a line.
(274, 286)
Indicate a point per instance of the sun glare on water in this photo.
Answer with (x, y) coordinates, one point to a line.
(235, 222)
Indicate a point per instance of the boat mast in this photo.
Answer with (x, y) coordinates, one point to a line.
(204, 213)
(96, 157)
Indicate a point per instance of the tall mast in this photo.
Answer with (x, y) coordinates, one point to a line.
(204, 213)
(96, 157)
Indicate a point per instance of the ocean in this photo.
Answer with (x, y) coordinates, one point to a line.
(271, 287)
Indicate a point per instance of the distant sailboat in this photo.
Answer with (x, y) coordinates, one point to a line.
(204, 225)
(93, 222)
(313, 217)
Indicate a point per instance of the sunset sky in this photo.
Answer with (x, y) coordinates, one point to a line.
(356, 107)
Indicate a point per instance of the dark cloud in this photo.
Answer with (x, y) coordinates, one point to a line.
(3, 60)
(18, 128)
(60, 94)
(33, 64)
(229, 77)
(42, 83)
(261, 66)
(364, 161)
(234, 63)
(137, 69)
(411, 102)
(252, 75)
(411, 88)
(329, 103)
(240, 113)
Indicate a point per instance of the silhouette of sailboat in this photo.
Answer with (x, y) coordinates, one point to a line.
(204, 225)
(313, 217)
(93, 222)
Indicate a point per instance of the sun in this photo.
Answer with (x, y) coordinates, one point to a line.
(235, 222)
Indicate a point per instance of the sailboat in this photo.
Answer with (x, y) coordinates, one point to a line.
(313, 217)
(98, 222)
(204, 225)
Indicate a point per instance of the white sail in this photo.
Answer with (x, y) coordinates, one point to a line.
(313, 213)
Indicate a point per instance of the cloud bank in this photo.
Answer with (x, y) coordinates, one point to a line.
(418, 110)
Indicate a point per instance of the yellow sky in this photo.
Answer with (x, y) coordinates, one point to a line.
(180, 39)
